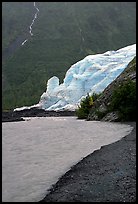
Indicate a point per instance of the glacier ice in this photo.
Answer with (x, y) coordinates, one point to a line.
(90, 75)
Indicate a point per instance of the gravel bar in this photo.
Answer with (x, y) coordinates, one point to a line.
(106, 175)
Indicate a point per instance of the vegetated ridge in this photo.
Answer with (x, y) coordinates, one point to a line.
(118, 101)
(64, 33)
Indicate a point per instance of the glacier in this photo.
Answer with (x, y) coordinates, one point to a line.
(89, 75)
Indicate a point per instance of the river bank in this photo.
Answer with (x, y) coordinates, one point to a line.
(14, 116)
(106, 175)
(38, 151)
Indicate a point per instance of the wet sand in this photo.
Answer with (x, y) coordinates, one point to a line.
(107, 175)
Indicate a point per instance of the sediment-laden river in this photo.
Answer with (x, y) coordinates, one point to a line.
(36, 152)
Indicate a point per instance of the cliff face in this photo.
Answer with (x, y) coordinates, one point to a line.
(100, 109)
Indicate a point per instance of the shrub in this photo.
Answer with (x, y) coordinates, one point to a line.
(124, 100)
(85, 106)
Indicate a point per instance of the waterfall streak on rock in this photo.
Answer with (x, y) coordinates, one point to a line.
(24, 41)
(30, 27)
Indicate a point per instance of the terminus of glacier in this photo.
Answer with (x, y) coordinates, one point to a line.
(92, 74)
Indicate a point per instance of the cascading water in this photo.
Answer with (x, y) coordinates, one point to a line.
(30, 27)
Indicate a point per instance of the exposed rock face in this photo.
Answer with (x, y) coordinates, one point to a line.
(99, 110)
(112, 116)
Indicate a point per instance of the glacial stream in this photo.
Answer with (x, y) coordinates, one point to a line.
(36, 152)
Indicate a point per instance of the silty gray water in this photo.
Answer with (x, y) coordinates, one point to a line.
(36, 152)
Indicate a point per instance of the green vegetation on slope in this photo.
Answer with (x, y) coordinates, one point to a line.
(124, 101)
(85, 106)
(64, 33)
(16, 17)
(118, 101)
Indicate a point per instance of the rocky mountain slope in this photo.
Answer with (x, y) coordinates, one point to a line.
(100, 109)
(63, 33)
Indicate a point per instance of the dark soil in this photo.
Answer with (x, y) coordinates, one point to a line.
(12, 116)
(106, 175)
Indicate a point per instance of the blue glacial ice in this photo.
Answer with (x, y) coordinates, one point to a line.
(90, 75)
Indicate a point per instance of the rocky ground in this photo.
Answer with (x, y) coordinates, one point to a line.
(107, 175)
(12, 116)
